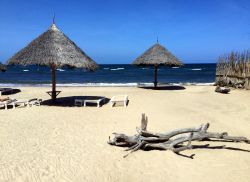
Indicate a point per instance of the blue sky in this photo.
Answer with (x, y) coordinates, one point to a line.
(118, 31)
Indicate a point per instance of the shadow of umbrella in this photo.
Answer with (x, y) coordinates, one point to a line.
(170, 87)
(70, 101)
(9, 91)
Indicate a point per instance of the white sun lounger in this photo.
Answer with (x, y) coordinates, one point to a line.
(7, 103)
(97, 101)
(22, 102)
(26, 102)
(80, 102)
(35, 102)
(119, 98)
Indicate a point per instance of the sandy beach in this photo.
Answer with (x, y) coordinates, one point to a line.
(50, 143)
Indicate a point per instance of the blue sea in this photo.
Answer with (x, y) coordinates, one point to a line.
(109, 75)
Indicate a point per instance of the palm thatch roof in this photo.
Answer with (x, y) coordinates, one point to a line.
(2, 67)
(157, 55)
(53, 47)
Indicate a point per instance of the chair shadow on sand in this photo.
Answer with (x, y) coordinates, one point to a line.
(70, 101)
(165, 87)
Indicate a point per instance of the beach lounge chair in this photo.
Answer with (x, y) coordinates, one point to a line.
(90, 99)
(119, 99)
(35, 102)
(96, 101)
(26, 102)
(30, 102)
(7, 103)
(22, 102)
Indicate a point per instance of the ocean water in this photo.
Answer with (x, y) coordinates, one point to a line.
(109, 75)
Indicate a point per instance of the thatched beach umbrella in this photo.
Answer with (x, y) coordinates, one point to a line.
(155, 56)
(54, 49)
(2, 67)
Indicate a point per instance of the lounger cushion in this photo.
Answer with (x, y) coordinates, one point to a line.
(4, 98)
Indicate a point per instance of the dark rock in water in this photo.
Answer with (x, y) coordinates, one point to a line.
(223, 90)
(2, 68)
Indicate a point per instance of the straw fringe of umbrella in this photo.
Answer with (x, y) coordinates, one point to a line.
(53, 47)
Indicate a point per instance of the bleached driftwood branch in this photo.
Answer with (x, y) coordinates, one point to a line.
(173, 140)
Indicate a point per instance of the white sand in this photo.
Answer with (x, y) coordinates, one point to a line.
(50, 143)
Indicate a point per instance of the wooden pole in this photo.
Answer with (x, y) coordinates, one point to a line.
(156, 69)
(53, 94)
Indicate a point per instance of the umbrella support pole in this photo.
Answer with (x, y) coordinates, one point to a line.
(155, 74)
(53, 94)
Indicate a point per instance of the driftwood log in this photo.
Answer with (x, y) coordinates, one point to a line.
(173, 140)
(223, 90)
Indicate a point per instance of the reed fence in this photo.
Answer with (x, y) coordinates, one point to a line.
(233, 70)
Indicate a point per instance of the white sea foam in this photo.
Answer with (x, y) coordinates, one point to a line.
(115, 69)
(106, 68)
(60, 69)
(175, 67)
(26, 70)
(196, 69)
(193, 83)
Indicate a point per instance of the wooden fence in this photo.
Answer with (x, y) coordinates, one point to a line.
(234, 70)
